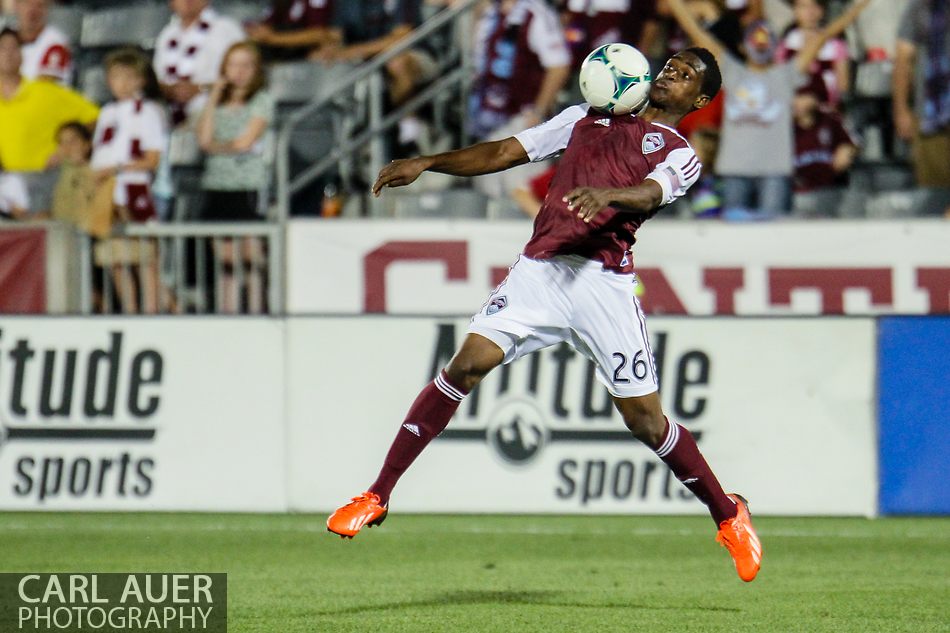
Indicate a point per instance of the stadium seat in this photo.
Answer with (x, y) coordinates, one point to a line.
(451, 203)
(242, 11)
(68, 20)
(124, 25)
(504, 210)
(891, 205)
(299, 82)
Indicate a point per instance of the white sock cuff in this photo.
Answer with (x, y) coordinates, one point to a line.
(443, 385)
(672, 436)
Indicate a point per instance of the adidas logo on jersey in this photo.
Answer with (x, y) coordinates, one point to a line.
(604, 122)
(412, 428)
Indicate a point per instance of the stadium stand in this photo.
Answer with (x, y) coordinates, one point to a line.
(333, 128)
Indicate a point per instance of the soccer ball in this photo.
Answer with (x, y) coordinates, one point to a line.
(615, 79)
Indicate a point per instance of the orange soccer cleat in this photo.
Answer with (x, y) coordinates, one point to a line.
(362, 510)
(738, 536)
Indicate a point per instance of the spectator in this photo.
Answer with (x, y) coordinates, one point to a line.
(230, 130)
(14, 197)
(188, 54)
(522, 61)
(46, 50)
(127, 146)
(830, 73)
(31, 111)
(755, 157)
(824, 152)
(369, 27)
(292, 29)
(75, 191)
(922, 78)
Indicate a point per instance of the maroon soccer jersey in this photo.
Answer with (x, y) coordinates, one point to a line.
(604, 152)
(815, 150)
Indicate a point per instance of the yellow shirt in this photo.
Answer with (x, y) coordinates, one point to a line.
(30, 119)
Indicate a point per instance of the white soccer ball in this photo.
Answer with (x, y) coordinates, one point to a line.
(615, 79)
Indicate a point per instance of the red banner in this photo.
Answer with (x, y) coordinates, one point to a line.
(23, 271)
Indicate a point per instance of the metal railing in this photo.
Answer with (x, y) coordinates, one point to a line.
(456, 73)
(183, 269)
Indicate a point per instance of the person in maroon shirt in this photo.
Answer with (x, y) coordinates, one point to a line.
(292, 29)
(824, 150)
(574, 283)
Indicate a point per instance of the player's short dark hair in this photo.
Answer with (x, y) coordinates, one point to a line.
(712, 78)
(10, 31)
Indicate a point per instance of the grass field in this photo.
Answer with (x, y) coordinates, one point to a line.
(518, 574)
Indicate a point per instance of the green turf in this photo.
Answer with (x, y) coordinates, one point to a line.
(518, 574)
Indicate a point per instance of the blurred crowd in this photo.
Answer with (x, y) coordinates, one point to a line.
(800, 78)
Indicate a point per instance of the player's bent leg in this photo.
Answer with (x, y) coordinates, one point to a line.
(427, 417)
(677, 448)
(472, 362)
(644, 417)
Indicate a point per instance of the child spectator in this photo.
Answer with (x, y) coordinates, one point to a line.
(824, 152)
(75, 188)
(830, 73)
(292, 29)
(231, 130)
(127, 146)
(824, 149)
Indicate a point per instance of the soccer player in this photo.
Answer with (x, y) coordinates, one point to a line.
(574, 283)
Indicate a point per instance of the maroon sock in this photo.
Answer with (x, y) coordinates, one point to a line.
(428, 416)
(679, 451)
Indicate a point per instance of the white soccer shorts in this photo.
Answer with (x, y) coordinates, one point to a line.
(569, 298)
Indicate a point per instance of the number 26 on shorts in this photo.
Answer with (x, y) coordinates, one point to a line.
(638, 368)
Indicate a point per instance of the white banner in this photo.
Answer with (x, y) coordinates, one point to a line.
(782, 410)
(701, 268)
(142, 414)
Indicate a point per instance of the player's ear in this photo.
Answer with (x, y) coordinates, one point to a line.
(701, 102)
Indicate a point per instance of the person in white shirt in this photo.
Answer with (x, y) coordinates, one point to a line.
(46, 50)
(14, 197)
(188, 54)
(127, 146)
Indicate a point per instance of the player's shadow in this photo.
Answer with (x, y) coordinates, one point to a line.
(484, 597)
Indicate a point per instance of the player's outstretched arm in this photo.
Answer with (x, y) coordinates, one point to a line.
(810, 51)
(475, 160)
(587, 202)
